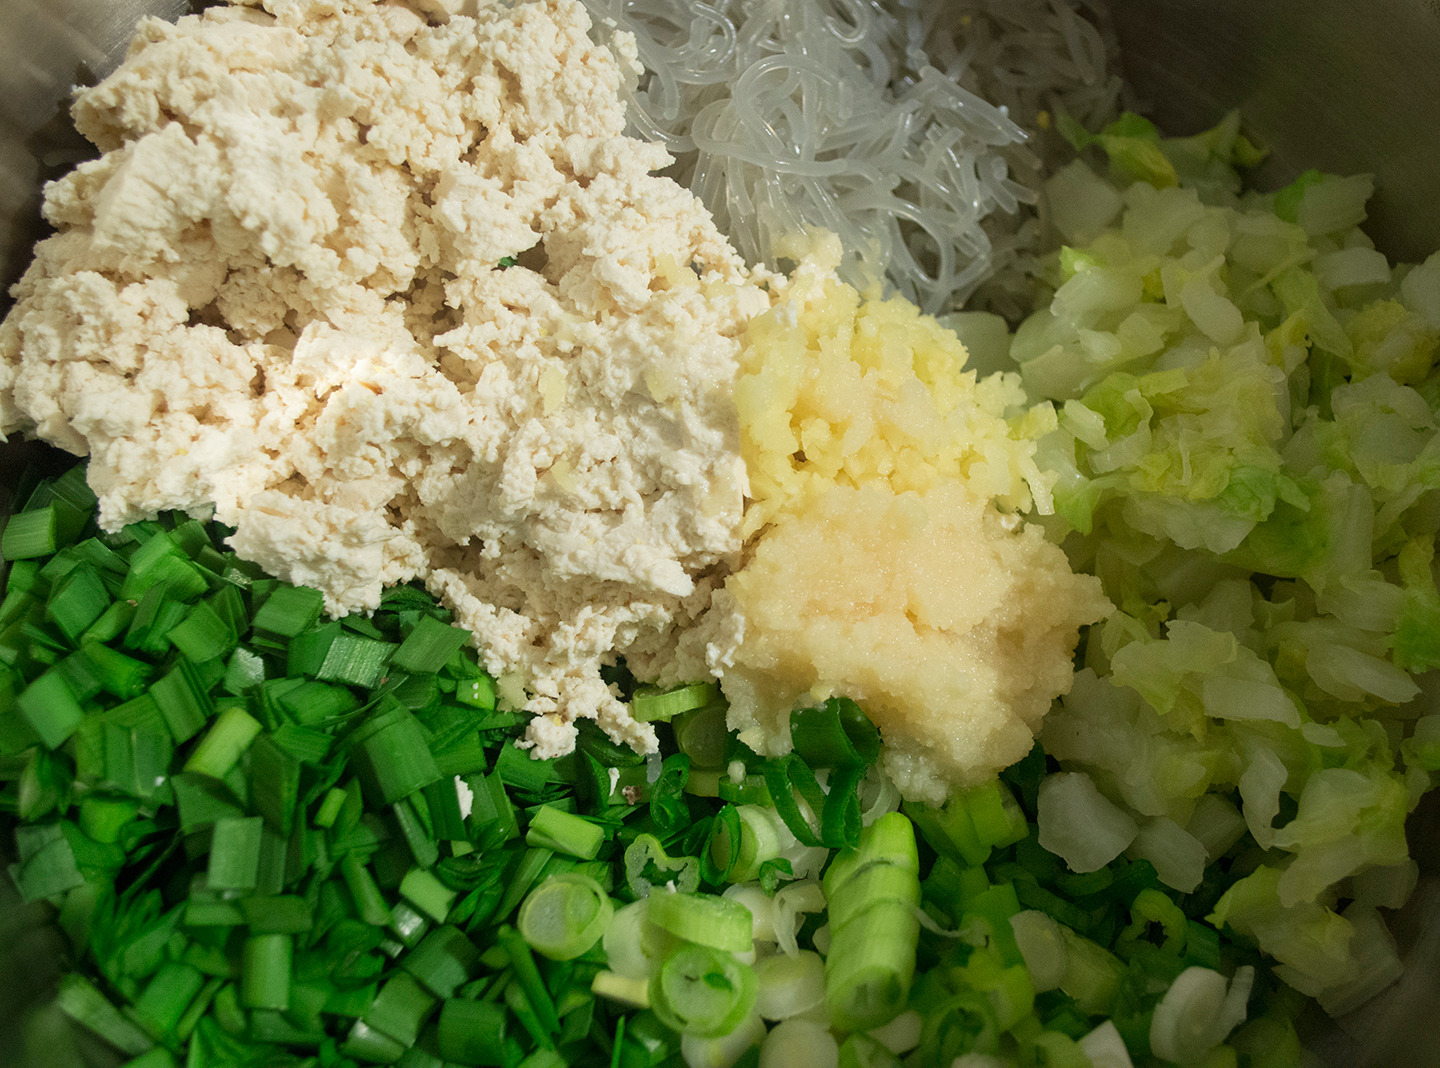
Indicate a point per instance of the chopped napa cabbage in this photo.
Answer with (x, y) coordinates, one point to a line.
(1246, 451)
(1079, 824)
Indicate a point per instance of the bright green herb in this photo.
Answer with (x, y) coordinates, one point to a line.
(872, 891)
(702, 991)
(562, 832)
(718, 922)
(170, 719)
(565, 915)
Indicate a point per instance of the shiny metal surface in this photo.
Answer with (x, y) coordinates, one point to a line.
(1343, 85)
(46, 48)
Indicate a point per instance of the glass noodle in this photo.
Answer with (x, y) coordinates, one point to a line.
(907, 130)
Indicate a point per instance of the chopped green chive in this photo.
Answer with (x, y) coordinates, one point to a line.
(77, 601)
(29, 534)
(368, 899)
(651, 703)
(220, 749)
(82, 1002)
(288, 612)
(562, 832)
(427, 893)
(472, 1033)
(265, 972)
(398, 760)
(235, 853)
(166, 998)
(49, 706)
(445, 960)
(429, 646)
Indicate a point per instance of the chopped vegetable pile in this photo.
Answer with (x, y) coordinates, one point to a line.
(274, 839)
(271, 838)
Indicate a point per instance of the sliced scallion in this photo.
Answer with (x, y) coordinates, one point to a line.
(550, 828)
(651, 703)
(718, 922)
(872, 952)
(565, 915)
(702, 991)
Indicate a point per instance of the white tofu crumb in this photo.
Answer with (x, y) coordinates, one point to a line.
(277, 292)
(467, 797)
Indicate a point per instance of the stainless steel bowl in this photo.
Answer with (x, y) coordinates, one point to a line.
(1341, 85)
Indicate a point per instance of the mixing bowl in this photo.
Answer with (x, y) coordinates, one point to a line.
(1333, 84)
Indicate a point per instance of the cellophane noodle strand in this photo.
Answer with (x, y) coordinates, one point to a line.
(915, 131)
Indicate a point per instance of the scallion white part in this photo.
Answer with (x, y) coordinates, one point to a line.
(761, 906)
(724, 1051)
(1197, 1012)
(791, 900)
(901, 1034)
(1105, 1047)
(789, 986)
(799, 1044)
(1043, 947)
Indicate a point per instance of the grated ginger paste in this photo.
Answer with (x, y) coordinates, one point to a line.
(886, 560)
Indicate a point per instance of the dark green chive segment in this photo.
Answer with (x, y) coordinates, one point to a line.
(271, 838)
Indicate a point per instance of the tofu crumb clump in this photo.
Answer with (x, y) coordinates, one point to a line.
(389, 289)
(879, 566)
(285, 289)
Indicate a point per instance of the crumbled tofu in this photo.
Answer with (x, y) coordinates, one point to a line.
(278, 290)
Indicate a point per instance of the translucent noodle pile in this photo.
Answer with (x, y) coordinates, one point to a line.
(907, 130)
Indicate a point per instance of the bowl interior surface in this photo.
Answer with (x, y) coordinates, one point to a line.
(1332, 84)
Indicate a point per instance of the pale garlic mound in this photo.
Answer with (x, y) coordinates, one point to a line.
(880, 567)
(277, 291)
